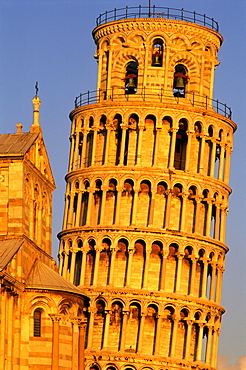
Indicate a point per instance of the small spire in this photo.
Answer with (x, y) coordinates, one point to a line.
(19, 128)
(36, 103)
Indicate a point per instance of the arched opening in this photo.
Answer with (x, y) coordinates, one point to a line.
(90, 262)
(131, 343)
(138, 262)
(157, 53)
(111, 200)
(155, 266)
(78, 263)
(167, 331)
(127, 202)
(149, 332)
(172, 266)
(115, 328)
(118, 136)
(84, 204)
(104, 263)
(131, 77)
(99, 324)
(180, 80)
(121, 263)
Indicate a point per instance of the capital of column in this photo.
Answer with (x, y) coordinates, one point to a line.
(55, 317)
(172, 129)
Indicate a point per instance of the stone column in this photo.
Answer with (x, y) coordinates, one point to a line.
(64, 271)
(199, 345)
(168, 208)
(70, 210)
(110, 52)
(55, 342)
(83, 153)
(112, 263)
(104, 193)
(60, 257)
(76, 163)
(227, 164)
(123, 143)
(213, 152)
(81, 345)
(201, 163)
(197, 216)
(217, 221)
(78, 212)
(123, 330)
(157, 335)
(221, 164)
(172, 149)
(99, 74)
(220, 270)
(108, 138)
(129, 267)
(188, 149)
(174, 337)
(222, 231)
(209, 216)
(134, 208)
(208, 346)
(163, 271)
(106, 329)
(71, 156)
(141, 332)
(157, 144)
(95, 276)
(188, 340)
(94, 144)
(75, 349)
(146, 269)
(85, 250)
(193, 276)
(151, 210)
(90, 200)
(214, 347)
(118, 201)
(91, 326)
(71, 278)
(183, 214)
(204, 278)
(179, 273)
(140, 140)
(212, 284)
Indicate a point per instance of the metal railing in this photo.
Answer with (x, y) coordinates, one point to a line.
(157, 12)
(157, 95)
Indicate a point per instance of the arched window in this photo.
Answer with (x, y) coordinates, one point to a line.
(37, 323)
(131, 77)
(179, 80)
(157, 53)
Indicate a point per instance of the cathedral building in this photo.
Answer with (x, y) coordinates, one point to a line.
(41, 314)
(142, 246)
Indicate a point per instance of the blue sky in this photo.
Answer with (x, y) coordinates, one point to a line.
(50, 41)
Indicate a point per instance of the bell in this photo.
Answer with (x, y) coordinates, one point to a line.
(157, 62)
(179, 83)
(131, 84)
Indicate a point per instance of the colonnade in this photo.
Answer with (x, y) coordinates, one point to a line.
(192, 338)
(150, 206)
(142, 267)
(118, 143)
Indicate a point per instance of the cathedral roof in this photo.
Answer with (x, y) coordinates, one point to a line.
(13, 144)
(8, 249)
(43, 277)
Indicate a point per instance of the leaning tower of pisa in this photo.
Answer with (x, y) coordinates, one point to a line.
(147, 193)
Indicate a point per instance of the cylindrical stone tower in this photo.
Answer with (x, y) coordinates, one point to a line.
(147, 193)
